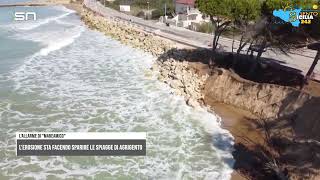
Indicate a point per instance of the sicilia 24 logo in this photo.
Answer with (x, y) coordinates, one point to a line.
(297, 16)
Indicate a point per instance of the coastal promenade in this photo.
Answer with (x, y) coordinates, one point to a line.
(299, 59)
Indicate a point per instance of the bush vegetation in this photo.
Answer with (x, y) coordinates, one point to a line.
(255, 20)
(142, 5)
(205, 27)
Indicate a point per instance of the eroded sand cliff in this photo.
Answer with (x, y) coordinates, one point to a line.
(291, 115)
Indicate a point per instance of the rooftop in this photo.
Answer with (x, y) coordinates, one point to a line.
(187, 2)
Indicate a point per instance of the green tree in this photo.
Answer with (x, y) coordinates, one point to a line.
(218, 11)
(281, 37)
(169, 5)
(242, 13)
(270, 5)
(316, 47)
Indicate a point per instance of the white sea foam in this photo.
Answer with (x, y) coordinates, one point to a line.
(61, 40)
(97, 84)
(30, 25)
(53, 32)
(59, 34)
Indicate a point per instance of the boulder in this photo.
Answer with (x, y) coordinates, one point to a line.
(193, 103)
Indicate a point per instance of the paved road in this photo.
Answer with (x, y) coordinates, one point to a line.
(300, 59)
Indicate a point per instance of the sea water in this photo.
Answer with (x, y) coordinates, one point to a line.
(57, 75)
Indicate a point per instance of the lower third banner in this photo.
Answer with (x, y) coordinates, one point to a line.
(80, 144)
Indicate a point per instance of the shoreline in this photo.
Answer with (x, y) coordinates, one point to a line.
(231, 117)
(239, 102)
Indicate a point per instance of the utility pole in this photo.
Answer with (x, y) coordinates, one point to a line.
(148, 10)
(165, 12)
(165, 9)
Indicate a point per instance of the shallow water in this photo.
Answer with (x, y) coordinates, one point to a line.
(57, 75)
(12, 1)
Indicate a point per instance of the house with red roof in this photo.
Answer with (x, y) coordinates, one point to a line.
(183, 6)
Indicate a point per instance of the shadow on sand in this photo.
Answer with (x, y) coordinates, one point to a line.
(251, 159)
(293, 141)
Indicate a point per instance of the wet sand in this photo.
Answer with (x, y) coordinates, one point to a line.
(239, 122)
(242, 126)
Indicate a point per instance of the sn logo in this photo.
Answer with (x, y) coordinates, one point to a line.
(25, 16)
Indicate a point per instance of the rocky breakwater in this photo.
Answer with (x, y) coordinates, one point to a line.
(127, 33)
(183, 79)
(177, 74)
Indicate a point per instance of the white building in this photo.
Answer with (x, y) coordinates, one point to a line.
(182, 6)
(124, 8)
(191, 18)
(125, 5)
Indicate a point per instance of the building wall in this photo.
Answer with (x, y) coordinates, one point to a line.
(125, 8)
(182, 8)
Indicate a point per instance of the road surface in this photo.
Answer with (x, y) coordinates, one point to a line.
(300, 59)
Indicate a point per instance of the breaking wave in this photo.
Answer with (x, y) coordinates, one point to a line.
(82, 81)
(35, 24)
(30, 25)
(52, 32)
